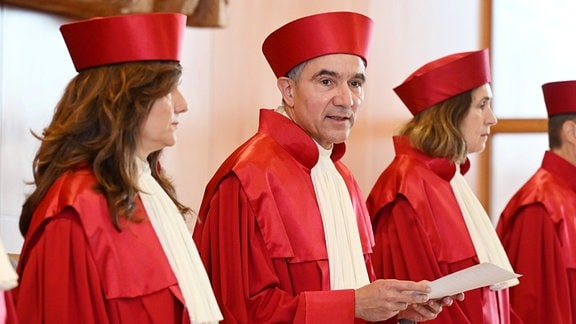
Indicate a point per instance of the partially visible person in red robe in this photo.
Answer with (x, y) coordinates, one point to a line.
(105, 239)
(283, 229)
(8, 310)
(538, 225)
(8, 281)
(427, 221)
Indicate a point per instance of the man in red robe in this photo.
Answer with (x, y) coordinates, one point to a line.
(538, 226)
(283, 229)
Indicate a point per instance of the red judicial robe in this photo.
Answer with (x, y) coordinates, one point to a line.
(260, 231)
(76, 268)
(538, 231)
(420, 233)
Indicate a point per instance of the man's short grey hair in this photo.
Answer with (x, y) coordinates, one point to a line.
(295, 73)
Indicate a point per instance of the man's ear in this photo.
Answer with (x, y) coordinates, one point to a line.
(569, 130)
(286, 87)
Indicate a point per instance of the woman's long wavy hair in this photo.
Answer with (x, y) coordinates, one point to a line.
(97, 124)
(436, 130)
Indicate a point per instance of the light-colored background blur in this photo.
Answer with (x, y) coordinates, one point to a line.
(226, 80)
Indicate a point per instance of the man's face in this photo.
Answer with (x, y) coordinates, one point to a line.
(326, 97)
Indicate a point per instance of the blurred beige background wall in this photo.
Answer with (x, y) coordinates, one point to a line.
(226, 81)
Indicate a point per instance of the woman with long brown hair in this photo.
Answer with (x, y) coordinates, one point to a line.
(105, 237)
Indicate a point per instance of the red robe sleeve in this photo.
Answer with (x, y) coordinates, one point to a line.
(536, 253)
(59, 281)
(403, 252)
(250, 286)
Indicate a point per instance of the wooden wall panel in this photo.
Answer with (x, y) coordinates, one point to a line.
(201, 13)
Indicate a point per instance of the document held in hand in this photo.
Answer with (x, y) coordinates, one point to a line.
(480, 275)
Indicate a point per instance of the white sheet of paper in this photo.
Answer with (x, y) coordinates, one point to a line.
(480, 275)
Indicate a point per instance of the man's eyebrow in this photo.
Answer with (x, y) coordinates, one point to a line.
(360, 76)
(322, 72)
(325, 72)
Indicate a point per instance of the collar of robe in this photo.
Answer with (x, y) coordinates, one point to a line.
(443, 167)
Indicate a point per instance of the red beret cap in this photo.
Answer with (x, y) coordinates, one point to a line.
(128, 38)
(560, 97)
(312, 36)
(444, 78)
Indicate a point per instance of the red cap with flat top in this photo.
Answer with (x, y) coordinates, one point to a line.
(444, 78)
(128, 38)
(312, 36)
(560, 97)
